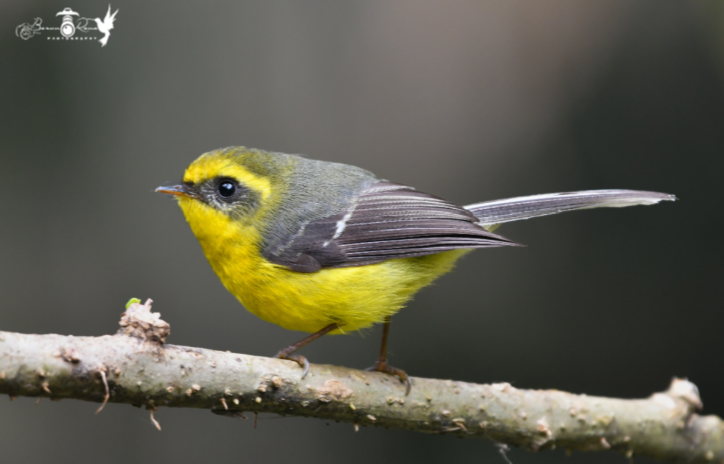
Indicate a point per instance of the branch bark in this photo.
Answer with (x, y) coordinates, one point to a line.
(136, 367)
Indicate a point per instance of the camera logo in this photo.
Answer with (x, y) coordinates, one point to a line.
(70, 23)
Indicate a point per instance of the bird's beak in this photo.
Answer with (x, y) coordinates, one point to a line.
(178, 190)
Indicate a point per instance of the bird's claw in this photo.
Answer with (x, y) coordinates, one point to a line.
(399, 373)
(297, 358)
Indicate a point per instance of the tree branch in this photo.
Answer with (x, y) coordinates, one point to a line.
(136, 367)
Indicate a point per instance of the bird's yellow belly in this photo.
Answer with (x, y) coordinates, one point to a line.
(354, 297)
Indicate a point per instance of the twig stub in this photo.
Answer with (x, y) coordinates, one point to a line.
(138, 321)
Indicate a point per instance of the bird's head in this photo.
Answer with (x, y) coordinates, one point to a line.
(231, 185)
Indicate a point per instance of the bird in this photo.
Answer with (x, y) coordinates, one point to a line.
(106, 25)
(330, 248)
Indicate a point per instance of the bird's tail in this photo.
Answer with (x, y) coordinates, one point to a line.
(493, 213)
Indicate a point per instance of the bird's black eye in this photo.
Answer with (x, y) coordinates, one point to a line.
(226, 188)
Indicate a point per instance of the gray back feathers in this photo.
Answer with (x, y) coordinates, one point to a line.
(333, 215)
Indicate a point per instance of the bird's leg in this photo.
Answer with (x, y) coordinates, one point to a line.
(286, 353)
(381, 364)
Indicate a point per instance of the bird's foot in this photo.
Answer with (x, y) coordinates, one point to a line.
(382, 366)
(286, 353)
(297, 358)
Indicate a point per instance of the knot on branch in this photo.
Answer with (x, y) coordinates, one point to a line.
(334, 390)
(138, 321)
(687, 391)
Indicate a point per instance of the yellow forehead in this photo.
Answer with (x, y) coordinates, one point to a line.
(208, 167)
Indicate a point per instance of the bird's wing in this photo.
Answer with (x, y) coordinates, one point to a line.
(387, 221)
(492, 213)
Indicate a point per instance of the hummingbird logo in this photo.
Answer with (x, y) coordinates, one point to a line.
(106, 25)
(71, 24)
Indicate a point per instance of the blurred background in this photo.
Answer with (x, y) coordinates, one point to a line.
(468, 100)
